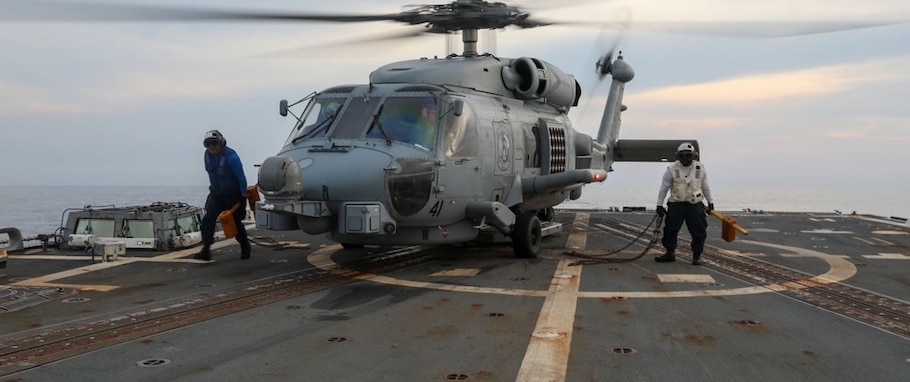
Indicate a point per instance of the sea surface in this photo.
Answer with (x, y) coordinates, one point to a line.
(39, 209)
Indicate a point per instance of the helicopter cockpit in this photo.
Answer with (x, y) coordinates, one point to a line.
(411, 118)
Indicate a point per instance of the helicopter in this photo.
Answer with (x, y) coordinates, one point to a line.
(440, 151)
(436, 151)
(429, 151)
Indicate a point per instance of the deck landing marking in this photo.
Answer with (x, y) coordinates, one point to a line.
(888, 256)
(890, 232)
(764, 230)
(882, 241)
(579, 239)
(864, 240)
(827, 232)
(49, 280)
(741, 253)
(889, 222)
(462, 272)
(681, 278)
(547, 357)
(840, 269)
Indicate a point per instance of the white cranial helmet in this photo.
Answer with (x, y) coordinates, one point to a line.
(213, 136)
(686, 146)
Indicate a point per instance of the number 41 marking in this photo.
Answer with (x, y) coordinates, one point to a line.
(437, 208)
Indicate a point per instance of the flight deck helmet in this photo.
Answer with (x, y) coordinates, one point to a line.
(213, 136)
(685, 153)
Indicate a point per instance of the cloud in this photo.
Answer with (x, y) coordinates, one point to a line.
(746, 91)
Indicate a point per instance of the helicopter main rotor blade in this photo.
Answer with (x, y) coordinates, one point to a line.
(41, 10)
(331, 49)
(757, 28)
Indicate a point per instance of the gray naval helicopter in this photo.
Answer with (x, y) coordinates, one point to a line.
(437, 151)
(428, 151)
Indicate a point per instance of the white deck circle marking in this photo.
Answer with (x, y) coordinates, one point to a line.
(889, 232)
(840, 269)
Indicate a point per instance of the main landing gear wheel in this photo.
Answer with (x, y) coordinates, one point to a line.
(547, 214)
(526, 235)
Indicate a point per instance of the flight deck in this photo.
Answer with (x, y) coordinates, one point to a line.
(802, 297)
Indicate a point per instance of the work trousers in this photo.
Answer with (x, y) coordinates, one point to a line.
(214, 204)
(696, 221)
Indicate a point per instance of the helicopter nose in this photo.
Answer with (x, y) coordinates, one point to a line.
(280, 178)
(354, 174)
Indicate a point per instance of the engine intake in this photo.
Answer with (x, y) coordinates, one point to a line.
(532, 78)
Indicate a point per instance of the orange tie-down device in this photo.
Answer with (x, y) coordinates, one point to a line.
(729, 227)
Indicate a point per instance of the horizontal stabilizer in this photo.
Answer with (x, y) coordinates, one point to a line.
(649, 150)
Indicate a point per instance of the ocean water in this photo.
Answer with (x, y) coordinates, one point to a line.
(39, 209)
(882, 202)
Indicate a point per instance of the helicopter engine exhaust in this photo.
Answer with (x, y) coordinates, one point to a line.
(532, 78)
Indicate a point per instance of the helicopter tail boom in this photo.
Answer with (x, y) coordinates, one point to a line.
(649, 150)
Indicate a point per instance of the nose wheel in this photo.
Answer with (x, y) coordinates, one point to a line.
(527, 235)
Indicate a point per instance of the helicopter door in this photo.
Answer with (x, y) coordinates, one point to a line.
(458, 180)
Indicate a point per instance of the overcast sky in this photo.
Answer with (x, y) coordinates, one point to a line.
(128, 103)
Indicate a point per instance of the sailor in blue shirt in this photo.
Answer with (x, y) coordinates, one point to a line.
(227, 188)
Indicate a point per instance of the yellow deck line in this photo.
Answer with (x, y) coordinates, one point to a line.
(547, 357)
(49, 280)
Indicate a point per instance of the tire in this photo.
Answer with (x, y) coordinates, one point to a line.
(351, 246)
(526, 235)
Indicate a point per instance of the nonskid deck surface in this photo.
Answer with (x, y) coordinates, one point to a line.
(802, 297)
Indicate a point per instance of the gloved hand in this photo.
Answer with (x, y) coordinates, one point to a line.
(710, 207)
(661, 211)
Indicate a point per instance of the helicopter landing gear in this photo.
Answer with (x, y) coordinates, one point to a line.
(527, 235)
(547, 214)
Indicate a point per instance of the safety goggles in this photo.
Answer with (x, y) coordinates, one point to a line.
(210, 143)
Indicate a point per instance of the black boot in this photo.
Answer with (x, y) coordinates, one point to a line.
(205, 254)
(245, 250)
(666, 258)
(696, 259)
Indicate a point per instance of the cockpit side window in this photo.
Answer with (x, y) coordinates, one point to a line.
(318, 118)
(411, 120)
(460, 133)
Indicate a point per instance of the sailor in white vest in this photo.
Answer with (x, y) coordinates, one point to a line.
(687, 183)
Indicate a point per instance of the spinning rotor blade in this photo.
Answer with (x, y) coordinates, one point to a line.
(758, 28)
(341, 47)
(41, 10)
(441, 18)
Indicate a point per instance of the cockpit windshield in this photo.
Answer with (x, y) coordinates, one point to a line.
(411, 120)
(317, 119)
